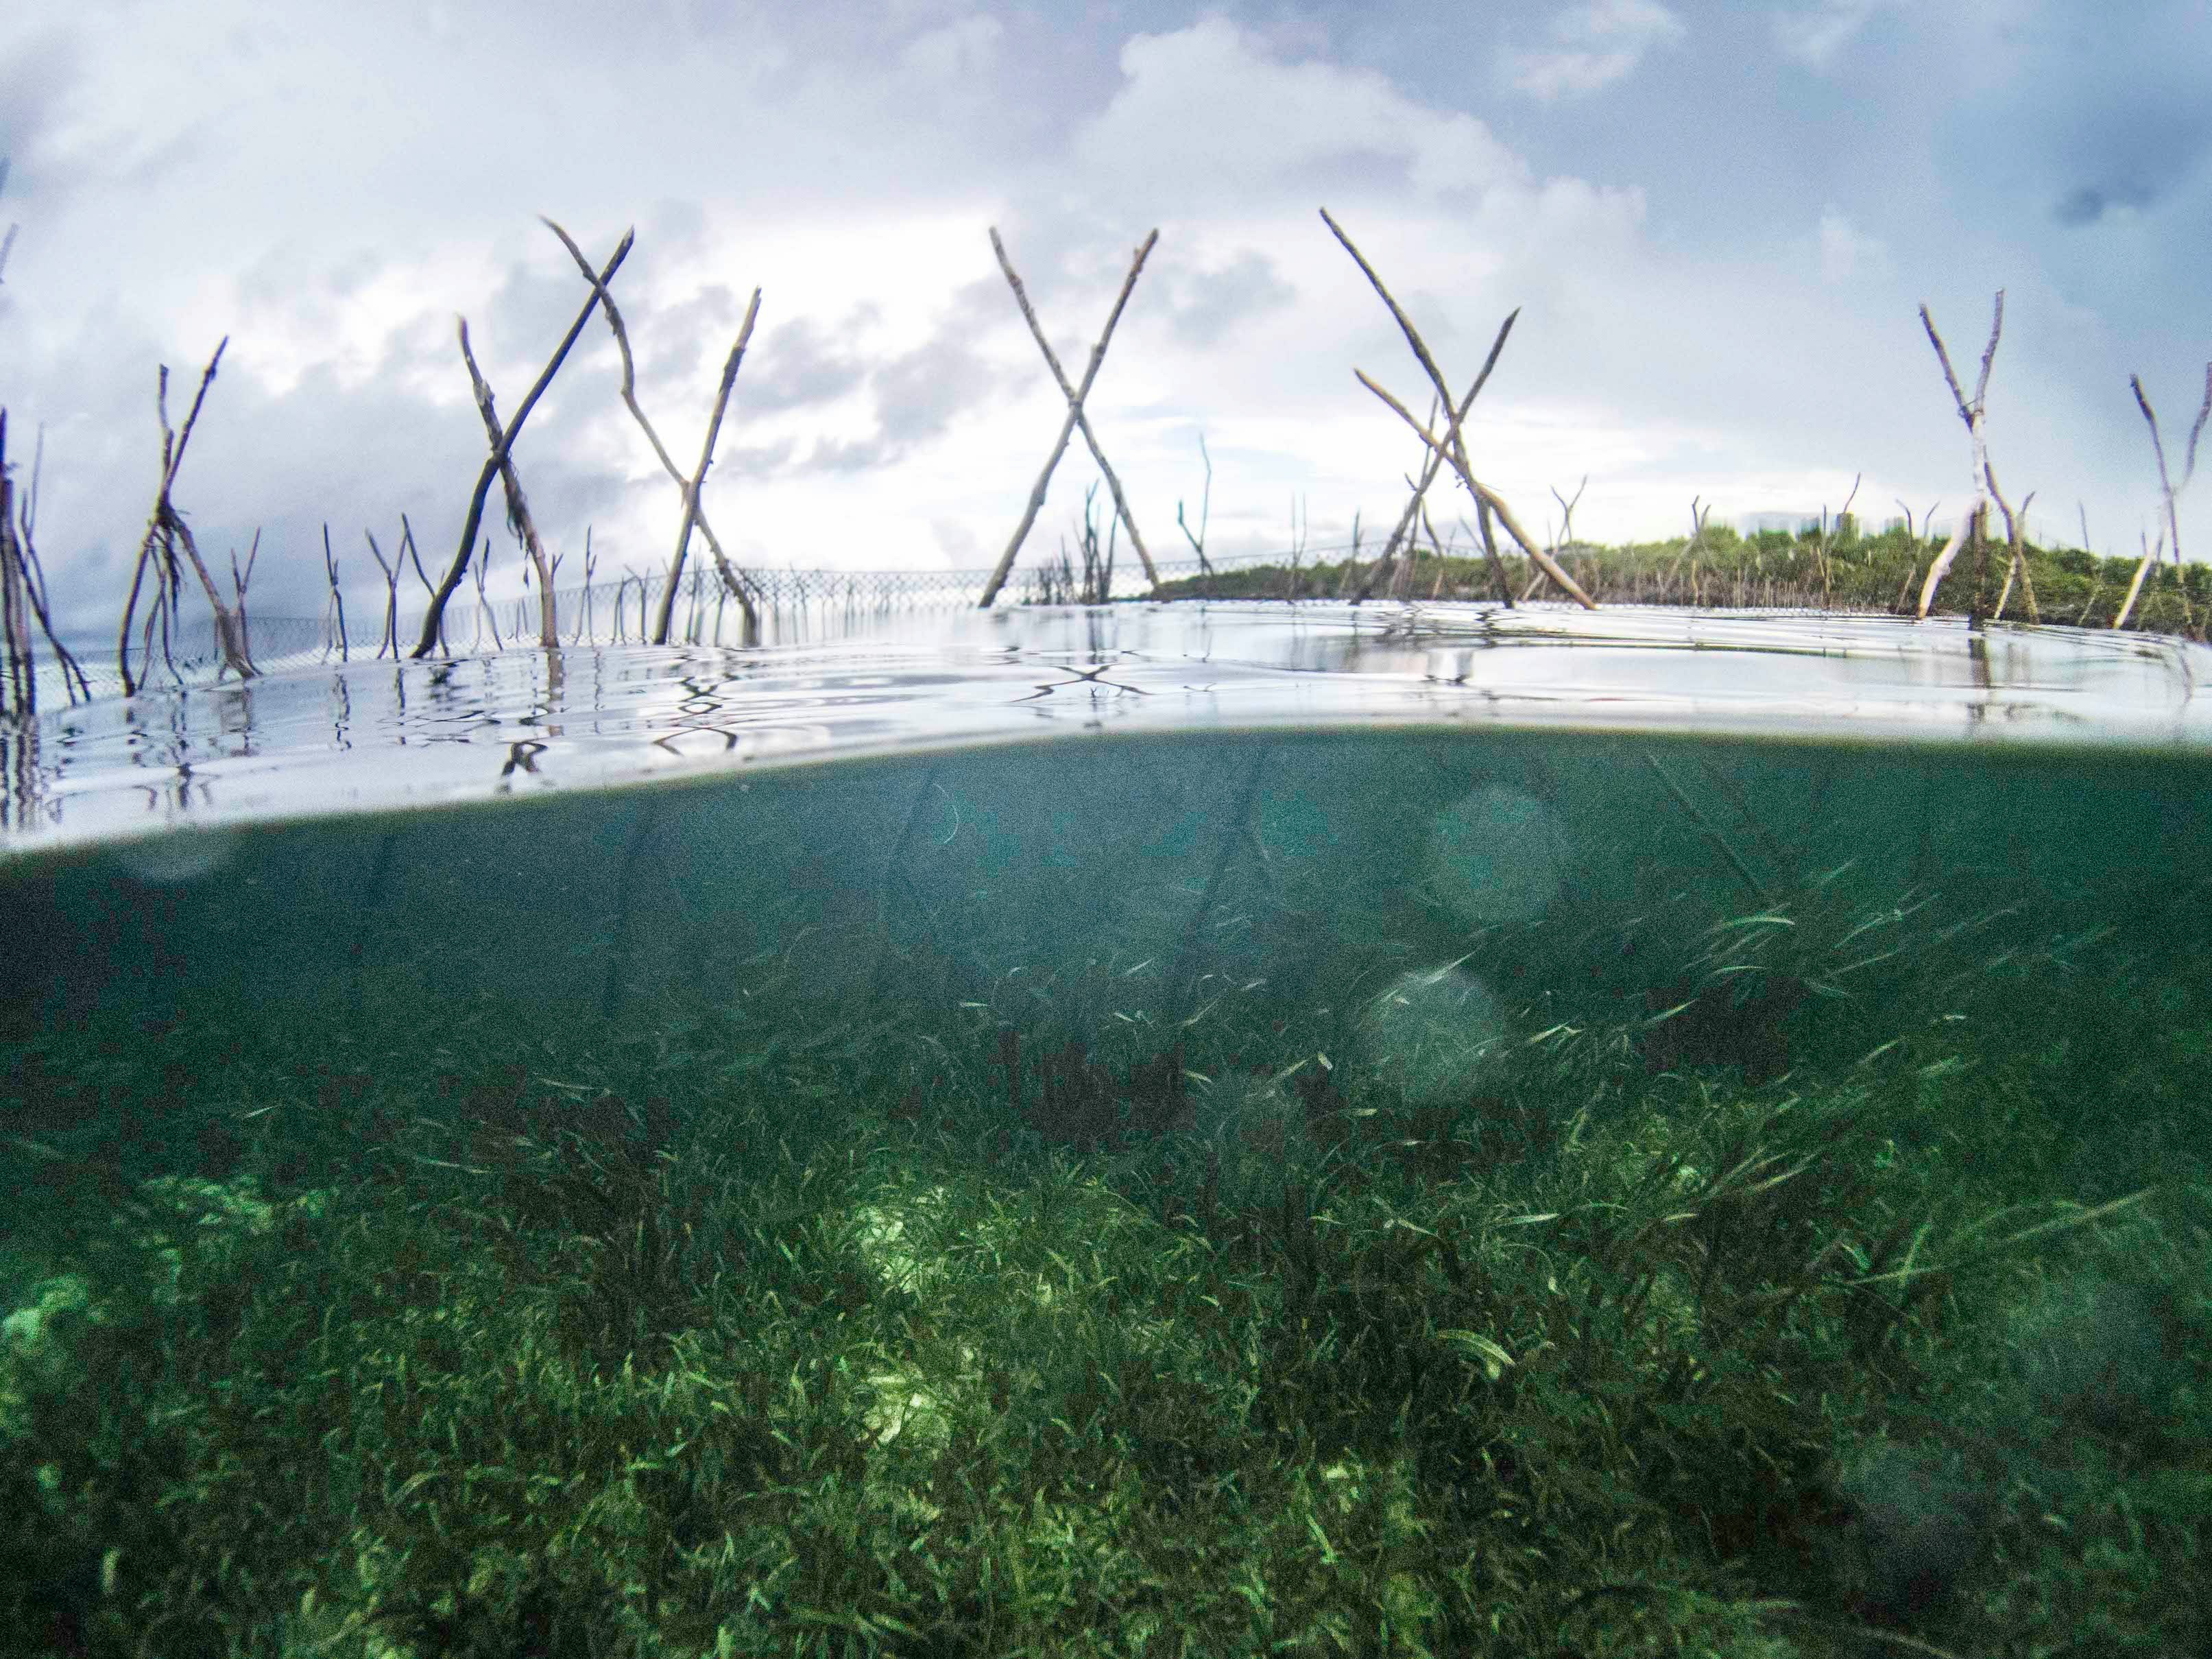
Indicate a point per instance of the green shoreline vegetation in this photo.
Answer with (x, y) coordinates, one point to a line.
(1681, 1331)
(1842, 568)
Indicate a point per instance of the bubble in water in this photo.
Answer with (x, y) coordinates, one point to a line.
(1494, 855)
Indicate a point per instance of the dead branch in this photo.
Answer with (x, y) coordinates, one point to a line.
(2150, 557)
(336, 606)
(2167, 488)
(165, 530)
(733, 583)
(1432, 461)
(518, 522)
(1488, 497)
(1205, 510)
(19, 692)
(19, 567)
(1453, 448)
(1075, 415)
(1984, 480)
(390, 635)
(2017, 566)
(691, 485)
(1075, 403)
(435, 614)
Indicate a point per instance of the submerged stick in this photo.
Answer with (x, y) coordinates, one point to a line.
(1721, 842)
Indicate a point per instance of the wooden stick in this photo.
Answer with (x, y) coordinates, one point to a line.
(166, 528)
(733, 583)
(2167, 488)
(1970, 413)
(517, 505)
(1075, 404)
(435, 614)
(1453, 449)
(1488, 497)
(699, 477)
(1433, 459)
(23, 548)
(338, 601)
(1067, 427)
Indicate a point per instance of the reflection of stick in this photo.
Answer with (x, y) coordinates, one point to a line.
(436, 613)
(1075, 416)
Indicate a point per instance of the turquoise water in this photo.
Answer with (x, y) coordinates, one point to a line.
(1242, 920)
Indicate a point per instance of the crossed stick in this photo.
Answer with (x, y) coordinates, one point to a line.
(1076, 418)
(1451, 448)
(496, 464)
(693, 514)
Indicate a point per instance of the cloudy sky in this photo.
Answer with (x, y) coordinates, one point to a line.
(1717, 221)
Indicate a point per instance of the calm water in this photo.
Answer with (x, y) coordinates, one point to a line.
(1420, 851)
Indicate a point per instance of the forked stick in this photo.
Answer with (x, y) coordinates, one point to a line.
(1985, 482)
(1067, 427)
(165, 530)
(435, 614)
(2167, 488)
(1453, 446)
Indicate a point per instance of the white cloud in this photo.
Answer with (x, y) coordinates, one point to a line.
(1814, 37)
(1592, 45)
(1206, 114)
(965, 50)
(1845, 252)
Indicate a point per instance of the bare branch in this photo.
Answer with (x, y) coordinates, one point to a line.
(435, 614)
(1970, 413)
(691, 486)
(731, 581)
(1074, 412)
(1453, 447)
(517, 505)
(1489, 497)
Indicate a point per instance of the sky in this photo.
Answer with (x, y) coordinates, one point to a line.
(1717, 222)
